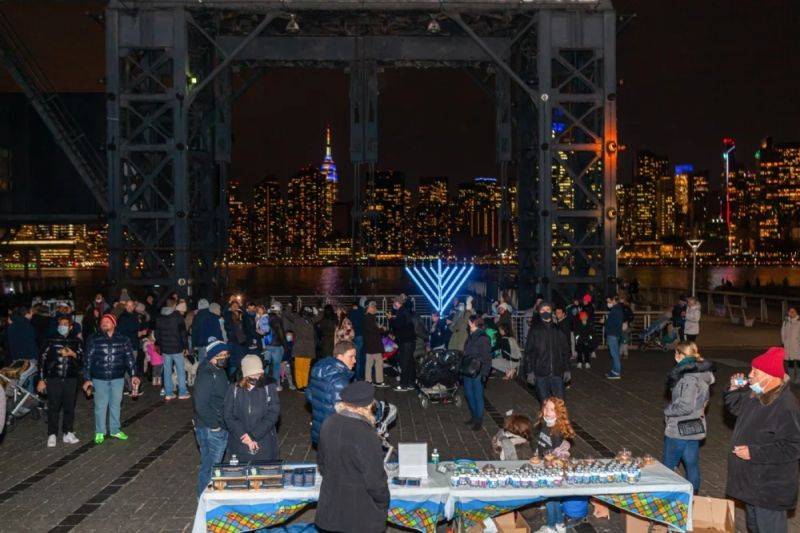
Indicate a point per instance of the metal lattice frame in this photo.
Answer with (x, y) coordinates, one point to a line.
(567, 213)
(169, 85)
(168, 149)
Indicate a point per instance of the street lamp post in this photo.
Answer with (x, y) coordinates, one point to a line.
(616, 261)
(694, 244)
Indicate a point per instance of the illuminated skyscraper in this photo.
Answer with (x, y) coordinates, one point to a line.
(240, 244)
(433, 228)
(385, 221)
(624, 218)
(665, 207)
(779, 174)
(328, 169)
(642, 202)
(682, 199)
(646, 224)
(305, 211)
(698, 194)
(269, 221)
(476, 213)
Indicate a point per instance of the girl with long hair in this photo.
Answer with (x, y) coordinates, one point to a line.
(551, 436)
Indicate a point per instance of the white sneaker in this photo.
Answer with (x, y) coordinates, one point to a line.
(545, 529)
(580, 366)
(51, 441)
(587, 366)
(279, 388)
(561, 528)
(70, 438)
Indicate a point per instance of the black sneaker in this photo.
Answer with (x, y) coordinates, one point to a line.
(611, 375)
(381, 385)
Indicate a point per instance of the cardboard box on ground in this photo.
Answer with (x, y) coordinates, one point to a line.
(709, 515)
(505, 523)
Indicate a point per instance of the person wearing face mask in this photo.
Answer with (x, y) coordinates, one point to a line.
(765, 445)
(547, 356)
(685, 421)
(551, 435)
(60, 363)
(252, 410)
(210, 389)
(613, 327)
(790, 337)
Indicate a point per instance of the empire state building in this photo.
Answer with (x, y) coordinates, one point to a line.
(328, 169)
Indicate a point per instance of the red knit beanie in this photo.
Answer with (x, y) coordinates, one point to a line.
(112, 318)
(583, 315)
(770, 362)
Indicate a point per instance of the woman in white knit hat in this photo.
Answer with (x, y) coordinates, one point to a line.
(252, 410)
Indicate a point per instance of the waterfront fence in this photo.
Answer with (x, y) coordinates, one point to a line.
(740, 307)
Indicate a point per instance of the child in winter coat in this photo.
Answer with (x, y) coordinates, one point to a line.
(513, 442)
(585, 341)
(154, 358)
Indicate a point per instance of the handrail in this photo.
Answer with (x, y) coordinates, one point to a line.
(765, 308)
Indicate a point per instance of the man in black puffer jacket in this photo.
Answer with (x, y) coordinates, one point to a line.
(547, 354)
(763, 465)
(60, 364)
(108, 356)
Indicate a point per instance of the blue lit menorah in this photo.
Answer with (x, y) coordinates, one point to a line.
(439, 284)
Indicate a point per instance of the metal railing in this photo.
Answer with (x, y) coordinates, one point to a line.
(765, 308)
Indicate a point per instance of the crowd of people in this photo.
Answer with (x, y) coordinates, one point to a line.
(237, 357)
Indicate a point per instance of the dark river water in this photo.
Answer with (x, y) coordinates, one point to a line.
(259, 282)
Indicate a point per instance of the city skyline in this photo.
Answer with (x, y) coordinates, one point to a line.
(662, 204)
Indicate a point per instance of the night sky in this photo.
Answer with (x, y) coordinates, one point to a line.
(692, 71)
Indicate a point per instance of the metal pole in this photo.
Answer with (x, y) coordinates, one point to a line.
(694, 270)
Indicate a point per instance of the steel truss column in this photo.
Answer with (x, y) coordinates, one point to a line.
(161, 151)
(363, 148)
(576, 130)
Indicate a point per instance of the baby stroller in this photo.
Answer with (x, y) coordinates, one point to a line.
(438, 378)
(652, 337)
(20, 401)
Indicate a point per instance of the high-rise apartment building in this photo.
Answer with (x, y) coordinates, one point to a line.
(269, 221)
(432, 222)
(305, 210)
(477, 213)
(779, 174)
(665, 207)
(240, 244)
(699, 198)
(386, 216)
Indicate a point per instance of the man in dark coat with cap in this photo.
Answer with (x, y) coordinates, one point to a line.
(210, 389)
(765, 446)
(354, 496)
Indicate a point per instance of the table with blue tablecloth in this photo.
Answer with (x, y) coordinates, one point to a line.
(661, 495)
(414, 507)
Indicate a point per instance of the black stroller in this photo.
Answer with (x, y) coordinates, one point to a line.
(438, 378)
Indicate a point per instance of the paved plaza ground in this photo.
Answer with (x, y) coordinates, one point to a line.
(147, 483)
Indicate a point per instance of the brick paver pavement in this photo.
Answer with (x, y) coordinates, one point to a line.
(147, 483)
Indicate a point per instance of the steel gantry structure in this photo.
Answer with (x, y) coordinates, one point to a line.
(170, 92)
